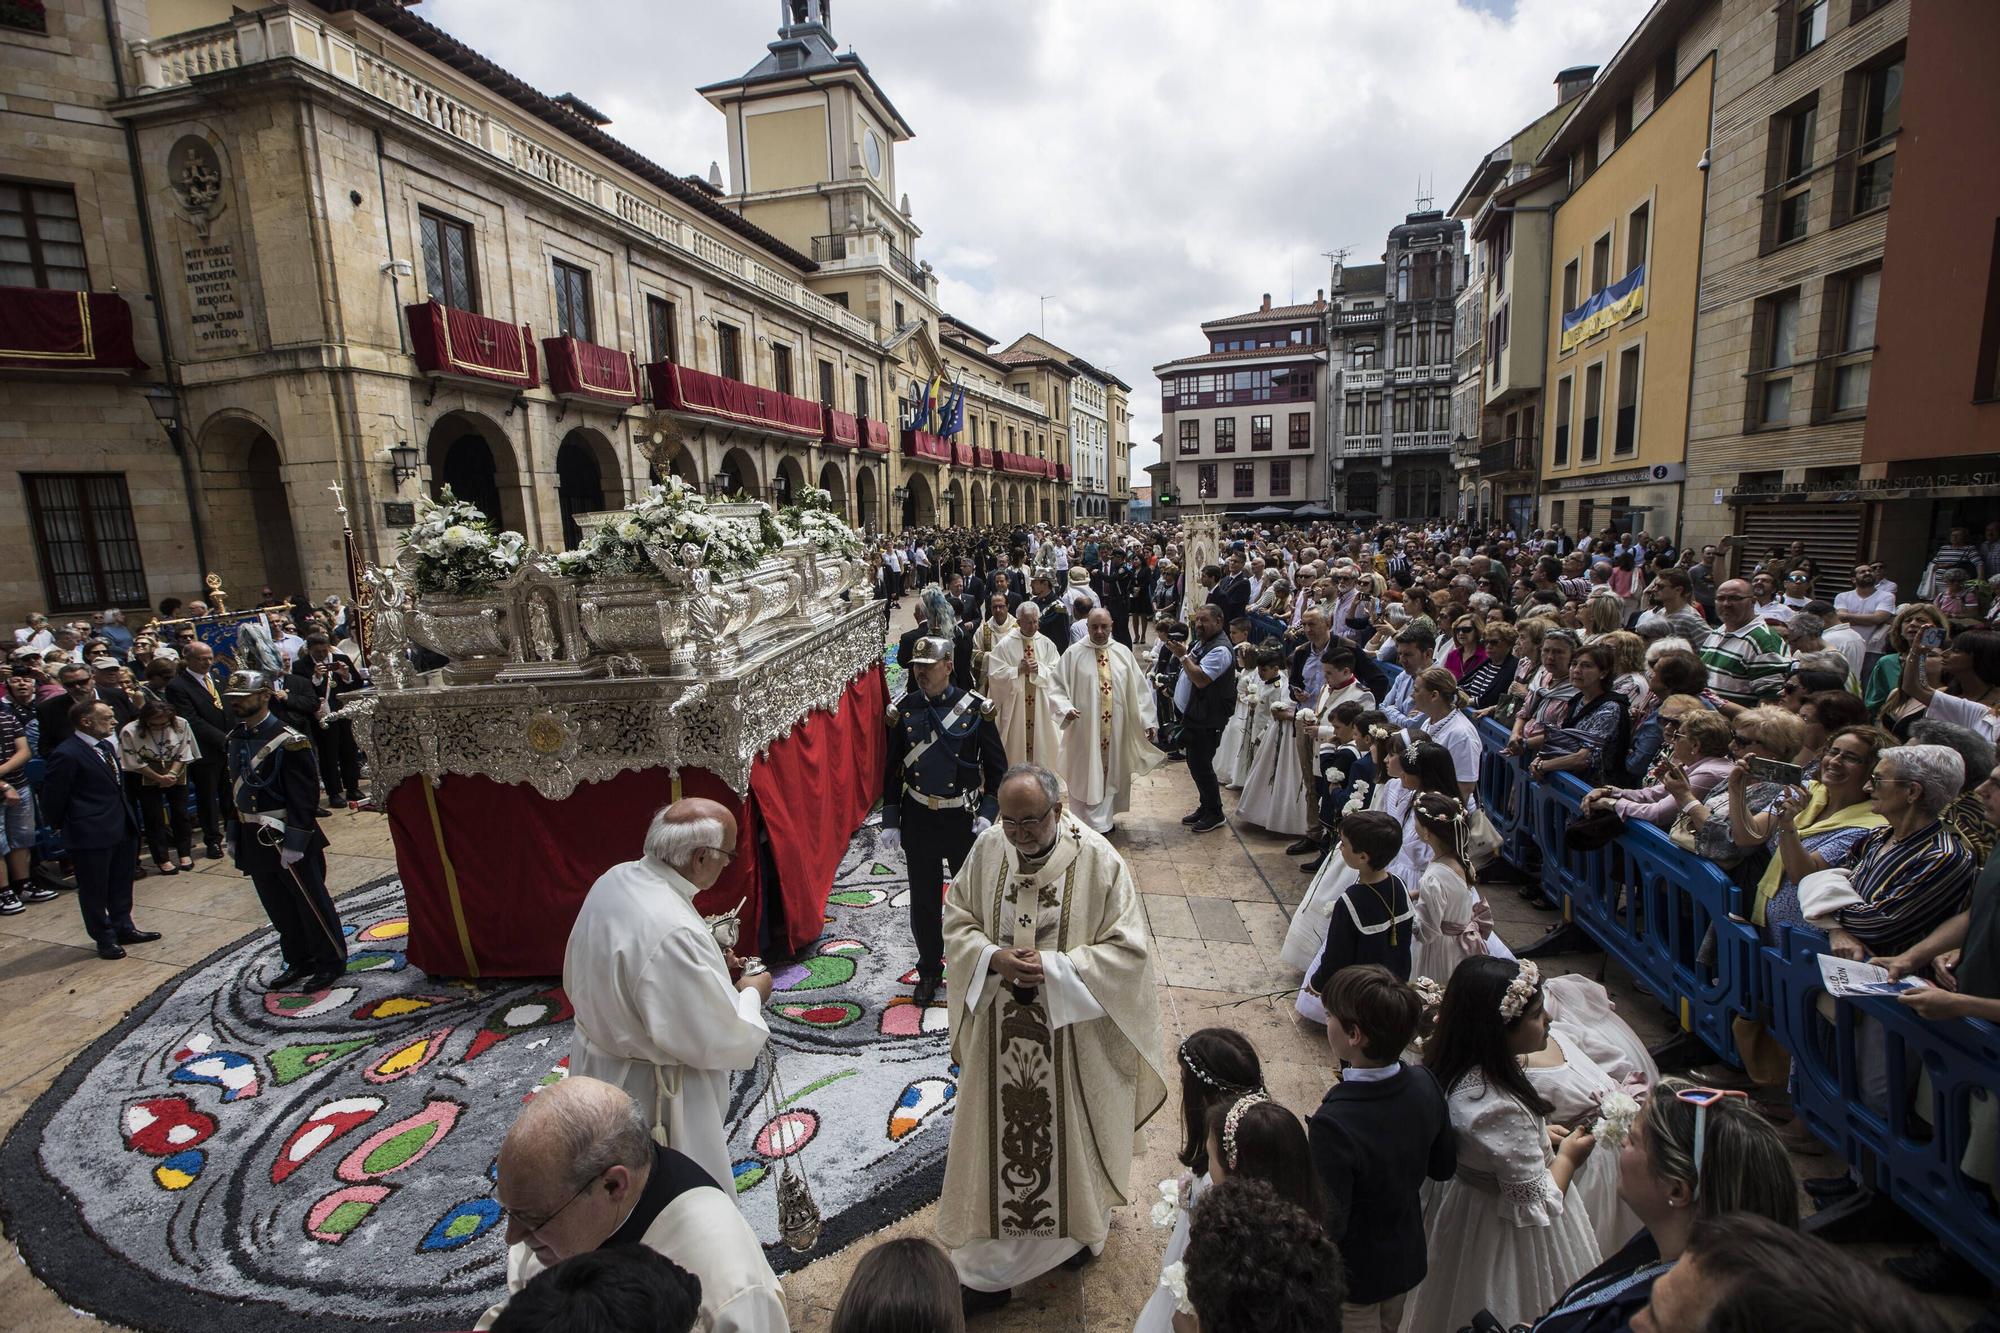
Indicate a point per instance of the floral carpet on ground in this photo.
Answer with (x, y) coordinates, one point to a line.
(227, 1158)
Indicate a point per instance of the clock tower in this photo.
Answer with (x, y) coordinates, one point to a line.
(812, 160)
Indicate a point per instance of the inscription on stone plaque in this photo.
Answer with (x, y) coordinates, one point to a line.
(399, 514)
(214, 307)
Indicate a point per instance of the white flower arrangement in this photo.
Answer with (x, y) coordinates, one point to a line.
(1174, 1278)
(1358, 801)
(672, 519)
(1167, 1207)
(1615, 1114)
(454, 550)
(811, 518)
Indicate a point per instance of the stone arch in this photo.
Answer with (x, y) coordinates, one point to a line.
(834, 483)
(955, 512)
(920, 503)
(788, 481)
(1047, 510)
(867, 500)
(472, 455)
(674, 461)
(979, 519)
(587, 480)
(739, 471)
(252, 540)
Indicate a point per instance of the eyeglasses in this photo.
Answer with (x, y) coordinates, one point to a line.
(1021, 825)
(727, 854)
(531, 1225)
(1701, 1099)
(1668, 726)
(1738, 738)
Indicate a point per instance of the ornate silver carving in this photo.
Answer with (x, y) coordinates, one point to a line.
(472, 631)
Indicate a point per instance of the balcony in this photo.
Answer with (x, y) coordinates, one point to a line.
(1062, 472)
(982, 457)
(697, 393)
(876, 437)
(961, 453)
(579, 369)
(926, 447)
(287, 33)
(49, 331)
(460, 345)
(859, 249)
(1369, 378)
(843, 430)
(1023, 465)
(1419, 441)
(1356, 318)
(1361, 446)
(1519, 456)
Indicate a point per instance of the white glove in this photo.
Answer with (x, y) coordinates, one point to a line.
(980, 824)
(289, 858)
(889, 840)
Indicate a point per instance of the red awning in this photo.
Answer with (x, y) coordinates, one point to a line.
(961, 453)
(983, 457)
(843, 429)
(923, 444)
(585, 370)
(448, 341)
(877, 437)
(676, 388)
(1062, 472)
(50, 330)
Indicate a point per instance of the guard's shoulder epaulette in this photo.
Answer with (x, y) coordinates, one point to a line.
(986, 707)
(294, 741)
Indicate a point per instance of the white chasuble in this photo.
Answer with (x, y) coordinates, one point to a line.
(1107, 747)
(1053, 1084)
(1031, 703)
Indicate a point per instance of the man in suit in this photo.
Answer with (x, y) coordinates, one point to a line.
(333, 678)
(83, 795)
(53, 714)
(194, 697)
(1231, 592)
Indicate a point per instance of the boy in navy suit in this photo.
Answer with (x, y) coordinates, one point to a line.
(84, 796)
(1376, 1136)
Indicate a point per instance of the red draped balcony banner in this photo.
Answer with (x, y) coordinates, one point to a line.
(843, 429)
(679, 389)
(877, 437)
(1024, 465)
(961, 453)
(43, 329)
(586, 370)
(1062, 472)
(447, 341)
(982, 456)
(923, 444)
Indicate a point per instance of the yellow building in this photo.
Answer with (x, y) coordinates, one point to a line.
(1624, 271)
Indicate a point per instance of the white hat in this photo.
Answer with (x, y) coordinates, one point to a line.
(1078, 577)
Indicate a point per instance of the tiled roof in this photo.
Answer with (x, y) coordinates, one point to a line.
(1314, 352)
(1276, 312)
(1364, 278)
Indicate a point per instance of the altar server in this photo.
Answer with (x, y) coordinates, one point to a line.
(656, 1011)
(1109, 740)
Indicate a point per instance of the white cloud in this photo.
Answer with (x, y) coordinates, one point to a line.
(1148, 165)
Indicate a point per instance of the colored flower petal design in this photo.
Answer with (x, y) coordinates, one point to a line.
(334, 1218)
(857, 897)
(401, 1144)
(902, 1018)
(832, 1014)
(383, 931)
(232, 1071)
(377, 960)
(163, 1126)
(407, 1059)
(465, 1223)
(291, 1063)
(517, 1016)
(919, 1102)
(325, 1124)
(311, 1004)
(179, 1171)
(396, 1006)
(786, 1134)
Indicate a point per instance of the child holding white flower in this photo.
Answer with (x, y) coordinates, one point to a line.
(1218, 1066)
(1580, 1094)
(1378, 1134)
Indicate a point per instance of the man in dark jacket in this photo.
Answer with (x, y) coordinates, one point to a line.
(195, 698)
(83, 796)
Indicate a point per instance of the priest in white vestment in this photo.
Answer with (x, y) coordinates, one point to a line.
(999, 623)
(1055, 1027)
(1022, 682)
(656, 1011)
(579, 1171)
(1109, 739)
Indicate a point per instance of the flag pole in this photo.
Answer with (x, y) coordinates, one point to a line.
(361, 617)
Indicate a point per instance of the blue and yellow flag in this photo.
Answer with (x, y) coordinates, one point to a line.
(1619, 302)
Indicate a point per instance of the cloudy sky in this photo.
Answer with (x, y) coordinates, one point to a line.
(1146, 164)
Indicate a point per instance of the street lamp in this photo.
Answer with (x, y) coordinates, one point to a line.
(720, 484)
(402, 462)
(166, 411)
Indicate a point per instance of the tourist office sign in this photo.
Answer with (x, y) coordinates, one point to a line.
(1655, 474)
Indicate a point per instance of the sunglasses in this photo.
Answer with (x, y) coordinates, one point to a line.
(1701, 1099)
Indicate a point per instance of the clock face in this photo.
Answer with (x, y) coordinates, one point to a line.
(871, 152)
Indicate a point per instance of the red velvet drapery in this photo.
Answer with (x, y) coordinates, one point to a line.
(520, 864)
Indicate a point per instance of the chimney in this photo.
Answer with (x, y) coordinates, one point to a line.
(1267, 300)
(1573, 83)
(1319, 297)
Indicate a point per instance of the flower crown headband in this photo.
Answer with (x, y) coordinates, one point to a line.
(1229, 1123)
(1520, 991)
(1193, 1066)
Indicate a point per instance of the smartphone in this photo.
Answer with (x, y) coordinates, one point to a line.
(1932, 639)
(1775, 770)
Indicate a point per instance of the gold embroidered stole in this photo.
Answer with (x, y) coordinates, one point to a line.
(1028, 1061)
(1028, 698)
(1104, 710)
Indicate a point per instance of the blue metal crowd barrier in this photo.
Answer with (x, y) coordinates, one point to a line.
(1679, 925)
(1936, 1091)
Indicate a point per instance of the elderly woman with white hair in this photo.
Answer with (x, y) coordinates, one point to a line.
(1914, 874)
(657, 1013)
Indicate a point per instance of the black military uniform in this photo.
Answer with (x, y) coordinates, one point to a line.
(274, 788)
(944, 770)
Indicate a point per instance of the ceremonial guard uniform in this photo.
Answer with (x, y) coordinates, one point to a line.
(274, 788)
(943, 774)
